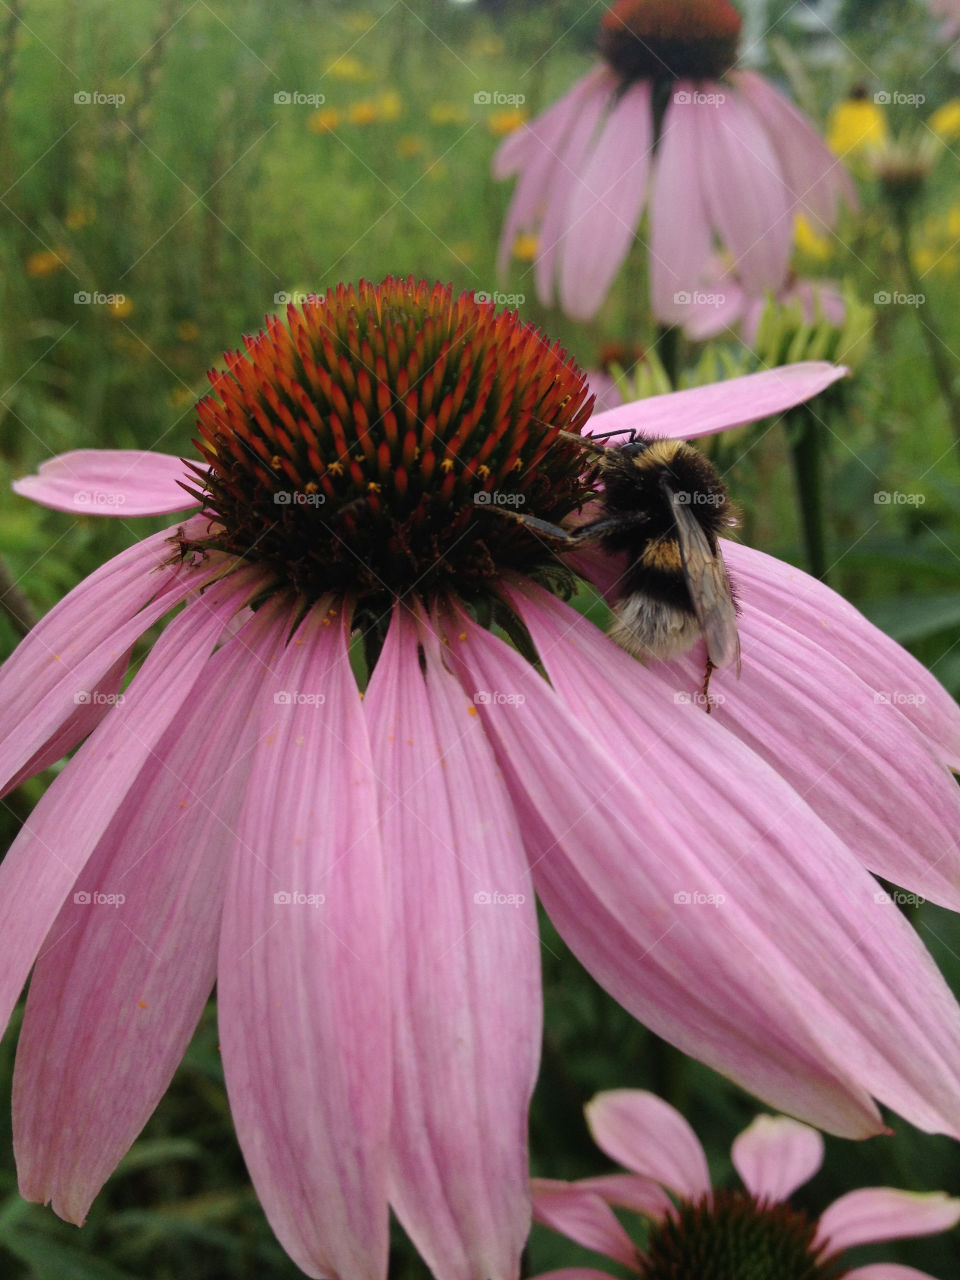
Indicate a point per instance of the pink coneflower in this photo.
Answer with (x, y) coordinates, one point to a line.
(697, 1231)
(666, 124)
(949, 11)
(358, 876)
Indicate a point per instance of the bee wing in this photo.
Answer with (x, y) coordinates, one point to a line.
(706, 577)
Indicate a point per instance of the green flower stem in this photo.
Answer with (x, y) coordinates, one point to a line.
(806, 445)
(940, 355)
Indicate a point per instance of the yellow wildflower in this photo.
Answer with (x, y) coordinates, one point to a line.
(347, 67)
(500, 123)
(365, 112)
(811, 242)
(525, 247)
(80, 216)
(945, 121)
(856, 126)
(391, 105)
(188, 331)
(324, 120)
(46, 261)
(121, 307)
(410, 145)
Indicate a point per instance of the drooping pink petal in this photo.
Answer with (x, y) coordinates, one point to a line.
(583, 1217)
(744, 192)
(95, 1056)
(703, 411)
(861, 766)
(774, 1155)
(43, 863)
(466, 1043)
(680, 237)
(609, 870)
(799, 601)
(85, 717)
(109, 482)
(872, 1214)
(53, 656)
(534, 152)
(572, 157)
(815, 177)
(605, 203)
(302, 985)
(72, 678)
(643, 1133)
(887, 1271)
(875, 1007)
(627, 1191)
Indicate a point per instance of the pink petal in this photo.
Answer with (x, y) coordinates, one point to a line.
(74, 653)
(48, 855)
(95, 1057)
(774, 1155)
(680, 237)
(874, 1005)
(83, 671)
(605, 203)
(608, 873)
(303, 972)
(646, 1135)
(534, 152)
(814, 610)
(887, 1271)
(571, 158)
(744, 193)
(84, 719)
(858, 763)
(703, 411)
(465, 968)
(109, 482)
(816, 178)
(625, 1191)
(872, 1214)
(584, 1218)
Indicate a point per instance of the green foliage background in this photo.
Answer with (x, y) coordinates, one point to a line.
(199, 199)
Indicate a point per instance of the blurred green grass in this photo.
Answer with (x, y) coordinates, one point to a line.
(199, 199)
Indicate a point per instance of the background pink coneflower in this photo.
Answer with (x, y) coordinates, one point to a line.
(667, 124)
(696, 1230)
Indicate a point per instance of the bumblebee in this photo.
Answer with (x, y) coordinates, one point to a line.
(664, 506)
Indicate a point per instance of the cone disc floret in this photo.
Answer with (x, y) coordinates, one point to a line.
(671, 39)
(372, 442)
(730, 1236)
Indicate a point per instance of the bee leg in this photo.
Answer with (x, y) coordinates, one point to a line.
(706, 685)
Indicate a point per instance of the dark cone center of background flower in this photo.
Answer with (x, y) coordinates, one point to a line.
(377, 440)
(735, 1238)
(671, 39)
